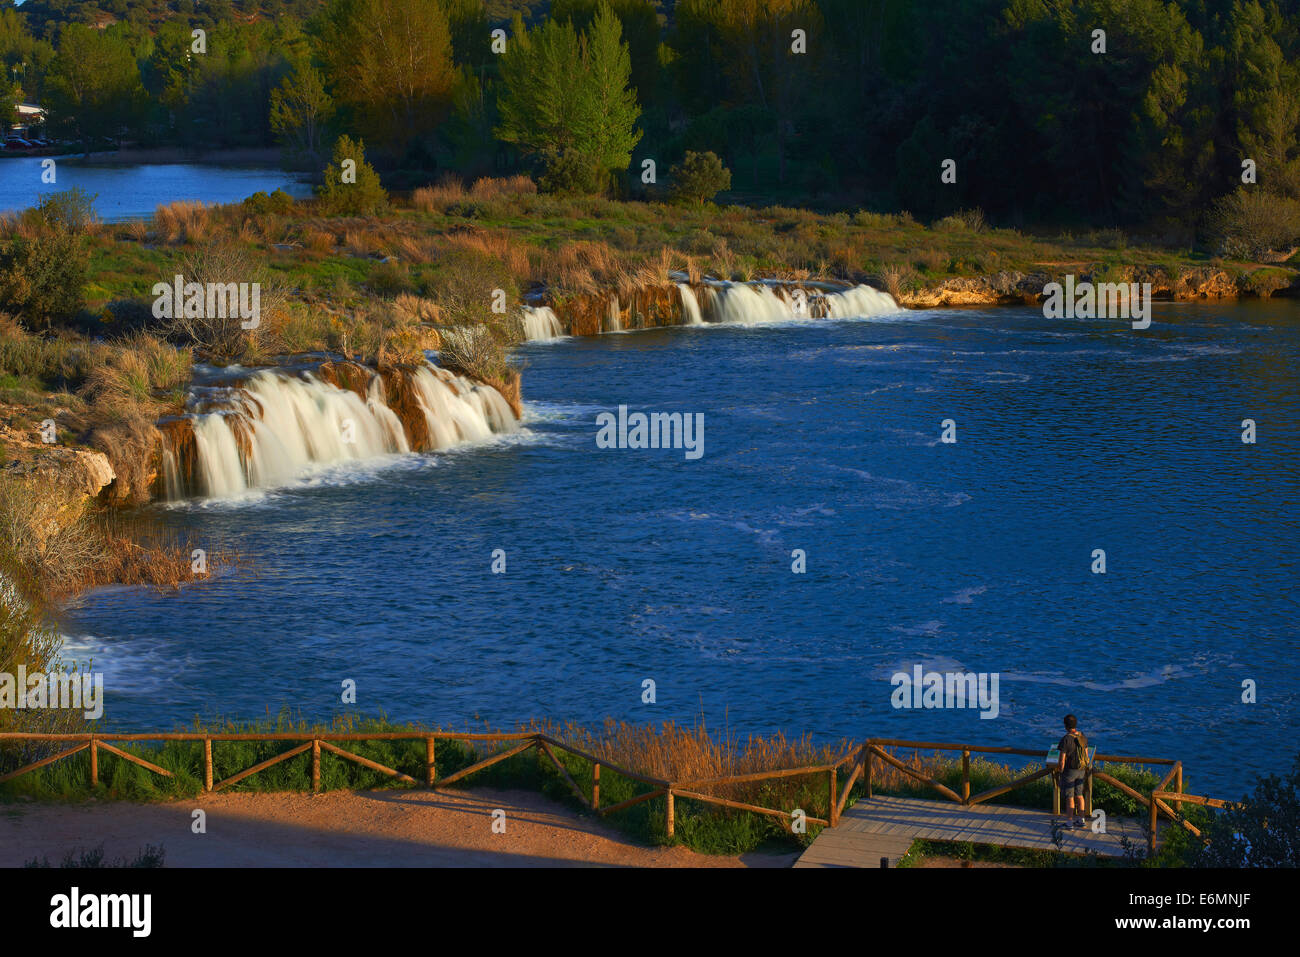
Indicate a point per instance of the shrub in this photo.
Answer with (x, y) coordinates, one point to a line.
(183, 221)
(71, 210)
(389, 279)
(1255, 224)
(351, 186)
(1263, 830)
(568, 173)
(43, 277)
(474, 351)
(699, 177)
(223, 338)
(261, 203)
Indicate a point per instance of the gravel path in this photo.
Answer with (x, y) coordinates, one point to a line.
(344, 829)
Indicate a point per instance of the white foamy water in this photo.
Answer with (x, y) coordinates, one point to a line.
(754, 303)
(690, 305)
(278, 426)
(541, 323)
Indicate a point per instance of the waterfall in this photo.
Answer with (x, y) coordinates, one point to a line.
(752, 303)
(541, 323)
(615, 315)
(859, 302)
(746, 304)
(690, 305)
(274, 426)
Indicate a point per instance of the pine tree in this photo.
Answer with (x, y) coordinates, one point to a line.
(608, 110)
(351, 186)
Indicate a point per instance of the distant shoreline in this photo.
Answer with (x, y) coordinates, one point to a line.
(166, 155)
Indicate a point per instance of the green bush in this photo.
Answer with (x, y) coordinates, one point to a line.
(568, 173)
(351, 186)
(43, 277)
(699, 177)
(69, 211)
(260, 203)
(1263, 830)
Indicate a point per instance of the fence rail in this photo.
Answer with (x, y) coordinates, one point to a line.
(861, 760)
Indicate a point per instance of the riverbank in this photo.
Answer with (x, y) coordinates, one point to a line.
(139, 156)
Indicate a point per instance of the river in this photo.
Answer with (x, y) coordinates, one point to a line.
(623, 565)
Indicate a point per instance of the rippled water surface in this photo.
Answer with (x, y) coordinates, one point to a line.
(821, 436)
(134, 191)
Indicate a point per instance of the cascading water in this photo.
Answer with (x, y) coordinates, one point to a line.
(541, 323)
(690, 305)
(272, 427)
(860, 301)
(752, 303)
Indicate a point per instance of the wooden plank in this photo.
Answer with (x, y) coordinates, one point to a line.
(44, 761)
(740, 806)
(488, 762)
(757, 776)
(632, 775)
(367, 763)
(631, 801)
(236, 778)
(995, 792)
(942, 789)
(135, 760)
(546, 748)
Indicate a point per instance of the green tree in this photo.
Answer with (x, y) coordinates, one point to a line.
(389, 64)
(94, 89)
(1265, 107)
(300, 108)
(699, 177)
(608, 108)
(351, 187)
(565, 99)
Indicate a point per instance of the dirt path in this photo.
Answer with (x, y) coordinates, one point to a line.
(343, 829)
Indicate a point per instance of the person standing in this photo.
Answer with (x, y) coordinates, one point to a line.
(1072, 767)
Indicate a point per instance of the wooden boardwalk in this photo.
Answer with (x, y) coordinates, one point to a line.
(886, 827)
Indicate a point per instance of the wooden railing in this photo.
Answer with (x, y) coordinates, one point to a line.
(1157, 803)
(861, 760)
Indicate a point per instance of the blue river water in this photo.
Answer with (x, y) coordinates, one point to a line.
(824, 436)
(134, 191)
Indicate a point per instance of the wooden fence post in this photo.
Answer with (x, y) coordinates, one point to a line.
(1178, 786)
(1151, 837)
(1087, 793)
(595, 787)
(94, 762)
(670, 823)
(870, 762)
(430, 774)
(315, 767)
(832, 816)
(965, 776)
(207, 764)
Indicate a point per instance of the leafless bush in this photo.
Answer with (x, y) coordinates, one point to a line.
(225, 338)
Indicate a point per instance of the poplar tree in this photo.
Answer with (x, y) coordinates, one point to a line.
(565, 99)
